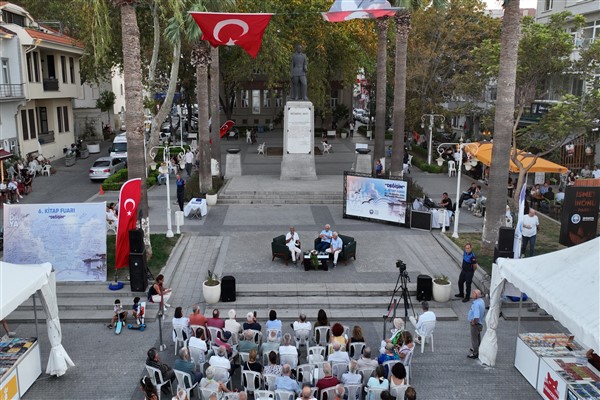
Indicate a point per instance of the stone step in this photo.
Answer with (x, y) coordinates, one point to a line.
(275, 193)
(85, 289)
(100, 316)
(318, 289)
(86, 303)
(261, 195)
(512, 314)
(279, 201)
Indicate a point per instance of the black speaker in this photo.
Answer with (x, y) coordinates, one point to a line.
(420, 220)
(228, 288)
(137, 272)
(506, 237)
(136, 241)
(502, 253)
(424, 288)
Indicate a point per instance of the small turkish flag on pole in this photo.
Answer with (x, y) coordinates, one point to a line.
(129, 198)
(228, 29)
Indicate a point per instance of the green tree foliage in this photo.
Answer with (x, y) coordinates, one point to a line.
(105, 102)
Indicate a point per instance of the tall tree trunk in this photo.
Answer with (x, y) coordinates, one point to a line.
(155, 46)
(201, 58)
(135, 110)
(215, 148)
(503, 126)
(379, 148)
(402, 21)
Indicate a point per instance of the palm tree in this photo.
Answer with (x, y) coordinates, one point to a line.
(382, 30)
(215, 148)
(503, 125)
(201, 59)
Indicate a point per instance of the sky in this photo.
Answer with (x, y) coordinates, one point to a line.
(493, 4)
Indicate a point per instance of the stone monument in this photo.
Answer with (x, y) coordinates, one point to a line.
(299, 69)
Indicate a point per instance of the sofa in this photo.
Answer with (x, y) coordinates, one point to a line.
(348, 249)
(279, 249)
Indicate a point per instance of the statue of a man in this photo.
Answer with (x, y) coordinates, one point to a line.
(299, 68)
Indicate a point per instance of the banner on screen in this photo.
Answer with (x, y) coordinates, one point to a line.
(375, 198)
(72, 237)
(579, 222)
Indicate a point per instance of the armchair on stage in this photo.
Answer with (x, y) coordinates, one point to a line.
(280, 249)
(348, 249)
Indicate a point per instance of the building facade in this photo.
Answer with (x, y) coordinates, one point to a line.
(11, 89)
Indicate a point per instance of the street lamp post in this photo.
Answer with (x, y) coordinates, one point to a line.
(166, 159)
(432, 118)
(473, 147)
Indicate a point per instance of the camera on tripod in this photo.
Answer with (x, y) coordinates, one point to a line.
(401, 266)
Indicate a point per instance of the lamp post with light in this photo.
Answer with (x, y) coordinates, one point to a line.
(472, 149)
(432, 118)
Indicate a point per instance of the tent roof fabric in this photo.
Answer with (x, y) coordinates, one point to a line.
(565, 283)
(484, 154)
(30, 278)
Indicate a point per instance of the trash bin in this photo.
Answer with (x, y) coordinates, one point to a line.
(179, 220)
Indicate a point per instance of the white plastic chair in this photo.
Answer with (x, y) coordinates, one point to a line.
(323, 333)
(304, 373)
(111, 226)
(277, 332)
(249, 380)
(257, 337)
(182, 378)
(338, 369)
(408, 363)
(291, 359)
(179, 337)
(261, 148)
(214, 333)
(373, 393)
(301, 337)
(328, 393)
(426, 332)
(451, 168)
(284, 395)
(356, 350)
(269, 380)
(353, 391)
(46, 170)
(388, 366)
(222, 375)
(206, 392)
(398, 391)
(264, 395)
(194, 328)
(198, 356)
(266, 356)
(317, 350)
(157, 379)
(366, 373)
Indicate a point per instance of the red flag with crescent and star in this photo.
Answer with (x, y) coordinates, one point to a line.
(129, 198)
(231, 29)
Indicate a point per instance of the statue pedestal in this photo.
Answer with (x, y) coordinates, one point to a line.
(233, 165)
(298, 161)
(363, 164)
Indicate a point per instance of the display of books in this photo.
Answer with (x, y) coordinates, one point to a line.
(11, 350)
(552, 344)
(585, 390)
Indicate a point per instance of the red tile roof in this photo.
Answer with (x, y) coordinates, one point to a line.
(5, 30)
(60, 39)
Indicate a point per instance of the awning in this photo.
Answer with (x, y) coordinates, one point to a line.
(484, 154)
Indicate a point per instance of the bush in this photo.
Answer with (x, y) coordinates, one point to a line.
(116, 181)
(415, 191)
(362, 130)
(192, 186)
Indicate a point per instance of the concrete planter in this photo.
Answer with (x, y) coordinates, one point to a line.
(211, 199)
(212, 294)
(441, 293)
(344, 135)
(94, 148)
(70, 160)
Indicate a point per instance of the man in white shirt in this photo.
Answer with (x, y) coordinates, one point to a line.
(596, 172)
(292, 241)
(335, 248)
(427, 316)
(220, 360)
(560, 196)
(189, 161)
(288, 351)
(530, 227)
(338, 355)
(302, 324)
(231, 324)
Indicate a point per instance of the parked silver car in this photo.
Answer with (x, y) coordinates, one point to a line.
(105, 167)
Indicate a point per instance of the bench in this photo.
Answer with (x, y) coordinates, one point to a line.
(331, 133)
(360, 146)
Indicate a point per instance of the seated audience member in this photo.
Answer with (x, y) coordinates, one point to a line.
(387, 395)
(378, 381)
(199, 342)
(179, 321)
(337, 334)
(335, 248)
(272, 343)
(154, 361)
(252, 365)
(196, 317)
(585, 172)
(410, 393)
(338, 355)
(158, 292)
(273, 322)
(306, 394)
(184, 364)
(211, 382)
(285, 382)
(427, 316)
(220, 359)
(328, 380)
(355, 337)
(302, 324)
(544, 188)
(224, 341)
(273, 368)
(325, 236)
(396, 338)
(339, 393)
(365, 360)
(292, 241)
(398, 376)
(216, 320)
(148, 388)
(27, 182)
(231, 324)
(251, 323)
(559, 197)
(248, 344)
(468, 194)
(407, 345)
(476, 195)
(352, 377)
(163, 171)
(445, 202)
(287, 348)
(390, 354)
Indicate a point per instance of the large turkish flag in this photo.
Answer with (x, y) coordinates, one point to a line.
(229, 29)
(129, 198)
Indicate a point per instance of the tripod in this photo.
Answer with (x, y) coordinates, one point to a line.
(401, 285)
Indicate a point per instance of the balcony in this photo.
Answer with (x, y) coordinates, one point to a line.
(10, 91)
(50, 85)
(46, 137)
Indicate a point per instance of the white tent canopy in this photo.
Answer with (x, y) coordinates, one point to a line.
(565, 283)
(17, 284)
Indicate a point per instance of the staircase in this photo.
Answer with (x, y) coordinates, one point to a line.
(255, 197)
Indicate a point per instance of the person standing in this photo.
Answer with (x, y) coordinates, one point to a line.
(189, 161)
(292, 241)
(469, 265)
(180, 191)
(475, 318)
(351, 129)
(530, 227)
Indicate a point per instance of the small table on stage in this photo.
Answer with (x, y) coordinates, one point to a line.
(323, 259)
(196, 208)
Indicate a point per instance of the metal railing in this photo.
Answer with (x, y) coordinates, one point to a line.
(11, 90)
(46, 137)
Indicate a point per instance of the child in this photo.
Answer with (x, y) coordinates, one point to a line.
(118, 311)
(136, 308)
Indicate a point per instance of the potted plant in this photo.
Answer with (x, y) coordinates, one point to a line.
(441, 288)
(211, 288)
(211, 197)
(314, 260)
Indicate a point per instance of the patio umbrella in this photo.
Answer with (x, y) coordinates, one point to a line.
(484, 154)
(3, 156)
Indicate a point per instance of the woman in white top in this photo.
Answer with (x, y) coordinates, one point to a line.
(273, 322)
(179, 321)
